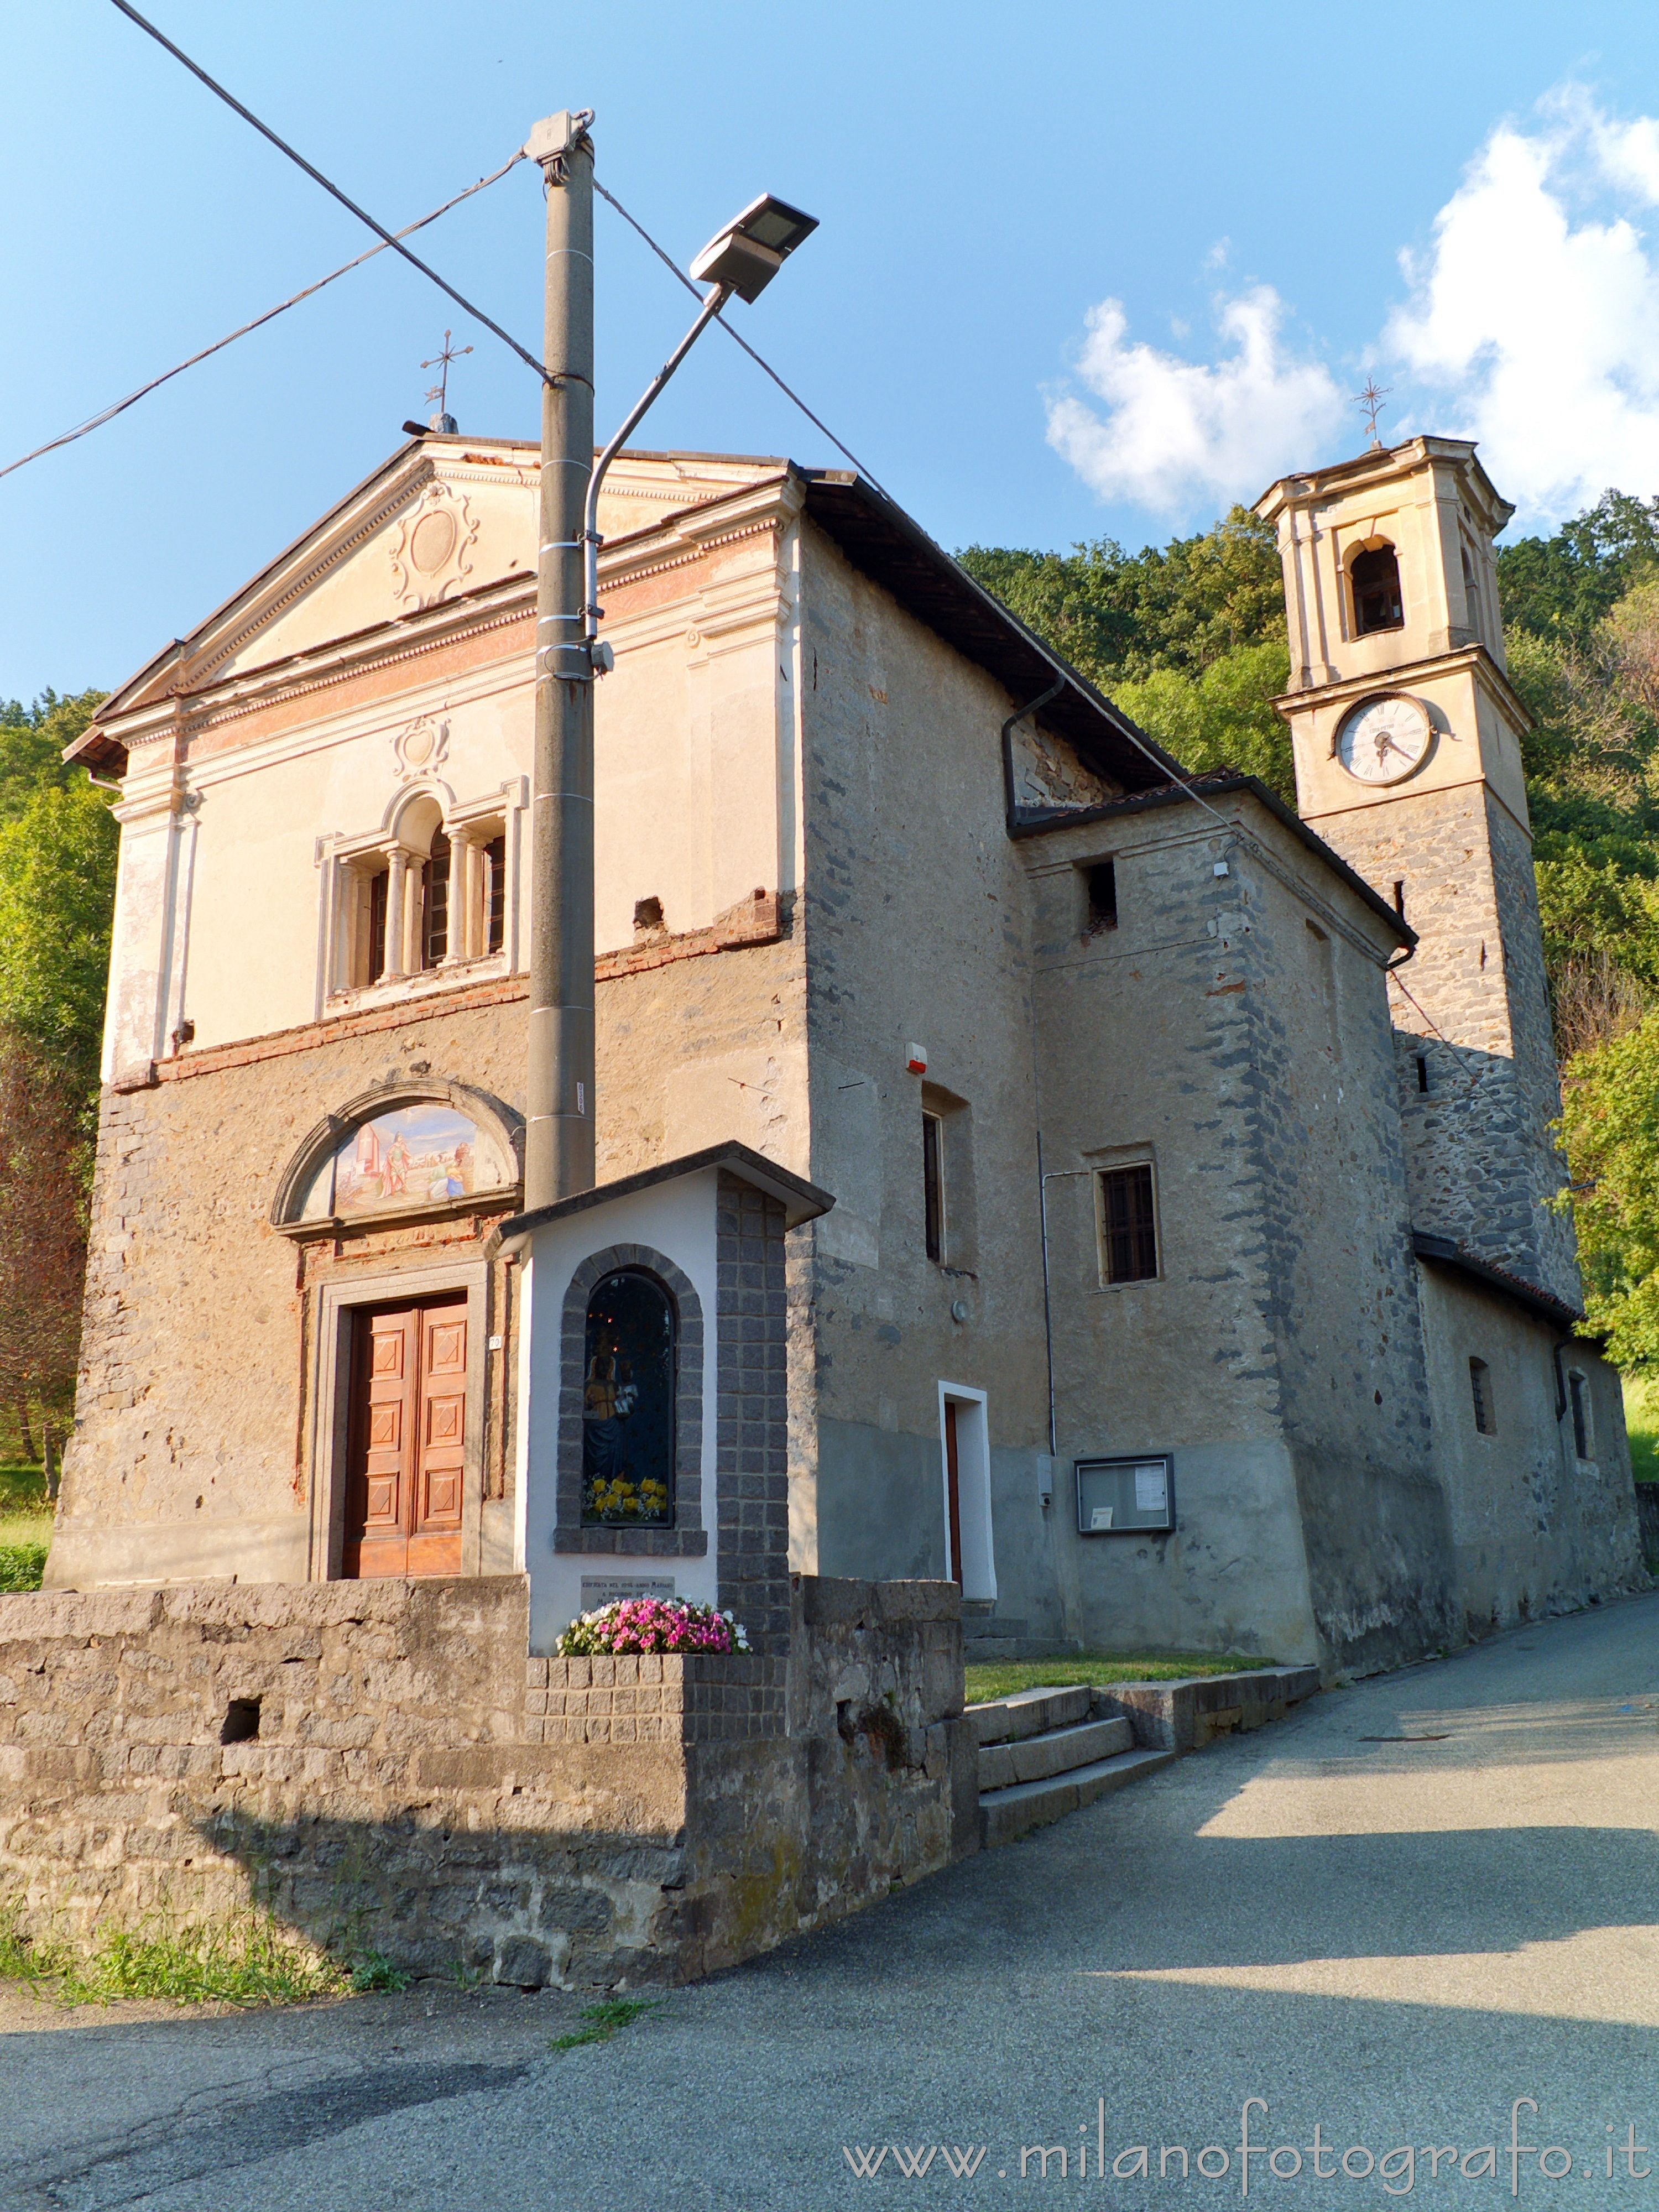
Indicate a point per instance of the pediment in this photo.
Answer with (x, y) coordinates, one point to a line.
(436, 524)
(439, 522)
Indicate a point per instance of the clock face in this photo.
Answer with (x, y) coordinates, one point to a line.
(1384, 739)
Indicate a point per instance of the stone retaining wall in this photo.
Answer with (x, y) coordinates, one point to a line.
(378, 1764)
(1186, 1715)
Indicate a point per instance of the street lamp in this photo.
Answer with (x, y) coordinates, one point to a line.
(749, 251)
(744, 258)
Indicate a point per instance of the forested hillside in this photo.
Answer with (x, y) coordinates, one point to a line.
(1190, 639)
(58, 844)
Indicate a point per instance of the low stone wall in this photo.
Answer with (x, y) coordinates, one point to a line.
(378, 1764)
(1186, 1715)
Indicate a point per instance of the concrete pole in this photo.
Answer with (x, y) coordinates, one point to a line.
(559, 1121)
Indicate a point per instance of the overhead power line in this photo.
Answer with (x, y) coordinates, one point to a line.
(108, 414)
(669, 262)
(281, 145)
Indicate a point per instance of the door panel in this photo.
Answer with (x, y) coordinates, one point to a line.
(952, 1492)
(406, 1490)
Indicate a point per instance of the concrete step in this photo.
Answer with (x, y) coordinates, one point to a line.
(1031, 1712)
(1006, 1813)
(1036, 1757)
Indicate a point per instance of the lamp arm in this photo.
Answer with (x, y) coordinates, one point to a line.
(711, 308)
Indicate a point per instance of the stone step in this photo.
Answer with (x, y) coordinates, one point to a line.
(1031, 1712)
(1035, 1758)
(991, 1626)
(1006, 1813)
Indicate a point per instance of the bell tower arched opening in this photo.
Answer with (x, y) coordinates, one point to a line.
(1377, 602)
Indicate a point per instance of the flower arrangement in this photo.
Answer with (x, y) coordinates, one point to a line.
(652, 1624)
(614, 1498)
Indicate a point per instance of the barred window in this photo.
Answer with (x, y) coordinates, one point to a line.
(1127, 1220)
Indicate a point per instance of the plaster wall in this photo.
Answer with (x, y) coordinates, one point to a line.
(235, 815)
(1432, 501)
(914, 933)
(1534, 1529)
(200, 1318)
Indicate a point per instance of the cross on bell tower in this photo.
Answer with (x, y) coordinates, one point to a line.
(1406, 734)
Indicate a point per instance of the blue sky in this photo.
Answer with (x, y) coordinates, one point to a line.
(1083, 269)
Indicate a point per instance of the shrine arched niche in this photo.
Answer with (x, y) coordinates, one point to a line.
(398, 1150)
(630, 1477)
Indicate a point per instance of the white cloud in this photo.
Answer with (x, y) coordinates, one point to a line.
(1534, 317)
(1176, 433)
(1531, 324)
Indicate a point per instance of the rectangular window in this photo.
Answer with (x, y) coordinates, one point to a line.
(1118, 1497)
(1485, 1419)
(1128, 1225)
(377, 897)
(932, 1184)
(1102, 881)
(495, 894)
(436, 935)
(1581, 1440)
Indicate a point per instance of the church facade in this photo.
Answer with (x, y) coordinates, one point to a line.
(1018, 1161)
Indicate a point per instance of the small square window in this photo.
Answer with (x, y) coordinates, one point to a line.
(1100, 882)
(1127, 1223)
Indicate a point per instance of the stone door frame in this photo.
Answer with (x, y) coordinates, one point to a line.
(337, 1303)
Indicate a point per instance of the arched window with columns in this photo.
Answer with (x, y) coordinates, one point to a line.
(429, 891)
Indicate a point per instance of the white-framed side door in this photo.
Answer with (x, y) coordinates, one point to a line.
(964, 1438)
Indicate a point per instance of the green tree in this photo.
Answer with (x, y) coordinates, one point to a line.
(1562, 586)
(1610, 1122)
(32, 742)
(57, 899)
(1188, 638)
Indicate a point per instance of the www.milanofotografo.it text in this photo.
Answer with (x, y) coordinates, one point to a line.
(1398, 2168)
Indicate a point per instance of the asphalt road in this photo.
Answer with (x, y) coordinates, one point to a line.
(1390, 1918)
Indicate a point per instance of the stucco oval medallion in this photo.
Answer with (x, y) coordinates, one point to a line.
(417, 748)
(433, 541)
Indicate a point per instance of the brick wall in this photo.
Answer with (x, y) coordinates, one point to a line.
(413, 1787)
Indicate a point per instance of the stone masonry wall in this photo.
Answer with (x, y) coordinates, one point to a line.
(397, 1778)
(1482, 1164)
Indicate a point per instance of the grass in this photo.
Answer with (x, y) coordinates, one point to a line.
(1002, 1678)
(25, 1527)
(23, 1566)
(1642, 1420)
(245, 1960)
(604, 2020)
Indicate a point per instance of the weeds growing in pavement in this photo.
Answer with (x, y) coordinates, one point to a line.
(604, 2020)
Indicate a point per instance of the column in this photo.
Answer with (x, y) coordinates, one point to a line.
(413, 885)
(460, 947)
(396, 872)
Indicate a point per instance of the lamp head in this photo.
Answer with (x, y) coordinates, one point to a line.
(749, 251)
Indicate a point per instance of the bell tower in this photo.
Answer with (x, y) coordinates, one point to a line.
(1407, 737)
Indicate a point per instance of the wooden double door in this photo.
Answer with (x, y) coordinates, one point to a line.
(406, 1486)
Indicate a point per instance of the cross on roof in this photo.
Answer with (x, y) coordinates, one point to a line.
(446, 354)
(1371, 399)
